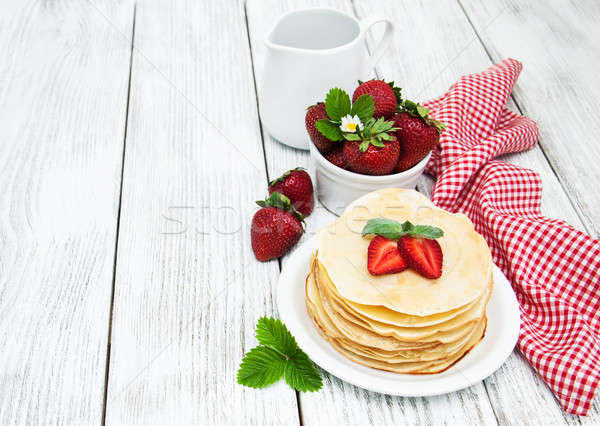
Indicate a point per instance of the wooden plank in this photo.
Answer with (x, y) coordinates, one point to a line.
(339, 402)
(516, 392)
(63, 96)
(188, 290)
(558, 40)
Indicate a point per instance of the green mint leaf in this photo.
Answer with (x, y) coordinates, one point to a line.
(330, 130)
(395, 230)
(273, 333)
(426, 231)
(301, 374)
(262, 366)
(407, 226)
(337, 104)
(387, 228)
(364, 107)
(352, 137)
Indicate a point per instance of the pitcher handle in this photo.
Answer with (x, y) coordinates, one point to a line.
(388, 35)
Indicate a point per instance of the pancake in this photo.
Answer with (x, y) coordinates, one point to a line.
(466, 268)
(418, 367)
(337, 327)
(427, 333)
(425, 363)
(403, 322)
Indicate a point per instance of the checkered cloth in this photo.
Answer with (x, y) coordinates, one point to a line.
(554, 269)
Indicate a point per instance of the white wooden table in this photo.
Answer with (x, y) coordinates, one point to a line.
(131, 152)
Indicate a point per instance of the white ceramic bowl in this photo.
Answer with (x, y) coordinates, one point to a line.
(336, 187)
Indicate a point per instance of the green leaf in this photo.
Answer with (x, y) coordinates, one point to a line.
(395, 230)
(282, 202)
(378, 125)
(330, 130)
(386, 137)
(377, 143)
(410, 105)
(364, 145)
(352, 137)
(278, 355)
(439, 125)
(285, 175)
(422, 111)
(387, 228)
(301, 374)
(273, 333)
(426, 231)
(337, 104)
(262, 366)
(397, 92)
(364, 107)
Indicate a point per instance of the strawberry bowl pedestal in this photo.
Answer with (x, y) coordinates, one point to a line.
(336, 187)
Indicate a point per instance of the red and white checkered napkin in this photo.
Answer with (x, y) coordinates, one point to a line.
(554, 269)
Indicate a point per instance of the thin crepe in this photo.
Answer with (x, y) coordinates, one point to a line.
(466, 268)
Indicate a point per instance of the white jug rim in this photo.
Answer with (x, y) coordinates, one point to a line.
(346, 46)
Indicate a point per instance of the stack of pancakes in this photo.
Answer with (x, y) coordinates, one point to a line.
(402, 322)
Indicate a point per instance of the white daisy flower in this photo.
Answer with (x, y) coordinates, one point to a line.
(350, 123)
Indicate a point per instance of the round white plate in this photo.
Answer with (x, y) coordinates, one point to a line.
(499, 341)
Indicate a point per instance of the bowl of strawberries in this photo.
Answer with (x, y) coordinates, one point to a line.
(371, 141)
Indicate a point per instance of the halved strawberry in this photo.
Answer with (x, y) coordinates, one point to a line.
(383, 257)
(423, 255)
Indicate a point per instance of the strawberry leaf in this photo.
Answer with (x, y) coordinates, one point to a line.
(364, 145)
(301, 374)
(272, 332)
(377, 143)
(422, 111)
(261, 367)
(364, 107)
(330, 130)
(277, 355)
(282, 202)
(285, 175)
(352, 137)
(397, 92)
(337, 104)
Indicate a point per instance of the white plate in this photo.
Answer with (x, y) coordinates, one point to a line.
(499, 341)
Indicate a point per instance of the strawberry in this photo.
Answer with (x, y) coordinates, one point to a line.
(417, 134)
(336, 157)
(385, 95)
(423, 255)
(373, 160)
(313, 114)
(383, 257)
(275, 228)
(297, 186)
(372, 150)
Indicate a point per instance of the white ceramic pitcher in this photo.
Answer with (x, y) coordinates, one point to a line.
(310, 51)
